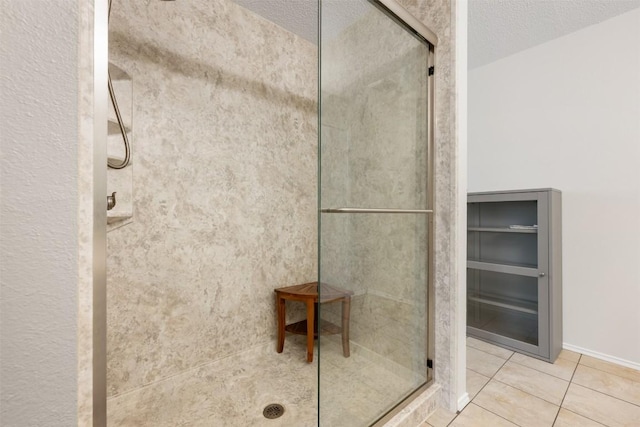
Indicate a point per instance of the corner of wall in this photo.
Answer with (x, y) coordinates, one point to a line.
(459, 19)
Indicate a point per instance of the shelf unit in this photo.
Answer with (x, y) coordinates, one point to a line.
(524, 306)
(504, 230)
(514, 271)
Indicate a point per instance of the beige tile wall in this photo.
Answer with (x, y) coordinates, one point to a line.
(373, 134)
(225, 113)
(439, 16)
(224, 186)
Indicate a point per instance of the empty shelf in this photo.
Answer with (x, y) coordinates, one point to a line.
(118, 73)
(504, 230)
(326, 328)
(113, 128)
(522, 270)
(118, 160)
(522, 306)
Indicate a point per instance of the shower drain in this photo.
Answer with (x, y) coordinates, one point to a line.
(273, 410)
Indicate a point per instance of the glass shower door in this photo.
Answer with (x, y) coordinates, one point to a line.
(374, 213)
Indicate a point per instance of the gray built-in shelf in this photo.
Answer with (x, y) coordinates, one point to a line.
(514, 270)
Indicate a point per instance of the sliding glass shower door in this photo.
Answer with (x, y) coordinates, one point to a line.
(375, 212)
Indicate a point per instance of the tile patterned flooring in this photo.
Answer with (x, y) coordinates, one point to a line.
(510, 389)
(232, 392)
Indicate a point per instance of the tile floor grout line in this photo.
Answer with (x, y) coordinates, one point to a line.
(457, 414)
(535, 369)
(482, 388)
(569, 382)
(599, 391)
(480, 373)
(606, 394)
(497, 415)
(567, 390)
(502, 366)
(476, 395)
(532, 395)
(512, 354)
(580, 415)
(493, 378)
(607, 372)
(606, 362)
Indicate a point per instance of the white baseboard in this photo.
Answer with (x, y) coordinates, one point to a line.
(463, 401)
(602, 356)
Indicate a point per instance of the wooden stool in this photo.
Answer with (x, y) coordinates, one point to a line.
(308, 294)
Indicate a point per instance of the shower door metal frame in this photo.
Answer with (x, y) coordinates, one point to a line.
(430, 309)
(99, 162)
(399, 14)
(100, 58)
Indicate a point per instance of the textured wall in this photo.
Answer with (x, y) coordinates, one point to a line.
(38, 213)
(224, 186)
(587, 138)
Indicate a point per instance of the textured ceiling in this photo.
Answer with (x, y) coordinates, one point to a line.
(298, 16)
(301, 16)
(498, 28)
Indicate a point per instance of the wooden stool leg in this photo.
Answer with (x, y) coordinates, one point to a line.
(346, 312)
(310, 330)
(280, 308)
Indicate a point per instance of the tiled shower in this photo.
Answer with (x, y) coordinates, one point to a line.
(224, 157)
(225, 209)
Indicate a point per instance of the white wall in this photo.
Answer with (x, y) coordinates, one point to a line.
(566, 114)
(38, 212)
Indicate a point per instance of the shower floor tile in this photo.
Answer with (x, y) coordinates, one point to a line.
(233, 392)
(230, 392)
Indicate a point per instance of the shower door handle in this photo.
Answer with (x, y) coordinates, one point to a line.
(385, 211)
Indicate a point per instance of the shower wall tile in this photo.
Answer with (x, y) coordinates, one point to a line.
(389, 328)
(85, 212)
(439, 15)
(224, 187)
(225, 194)
(338, 93)
(373, 134)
